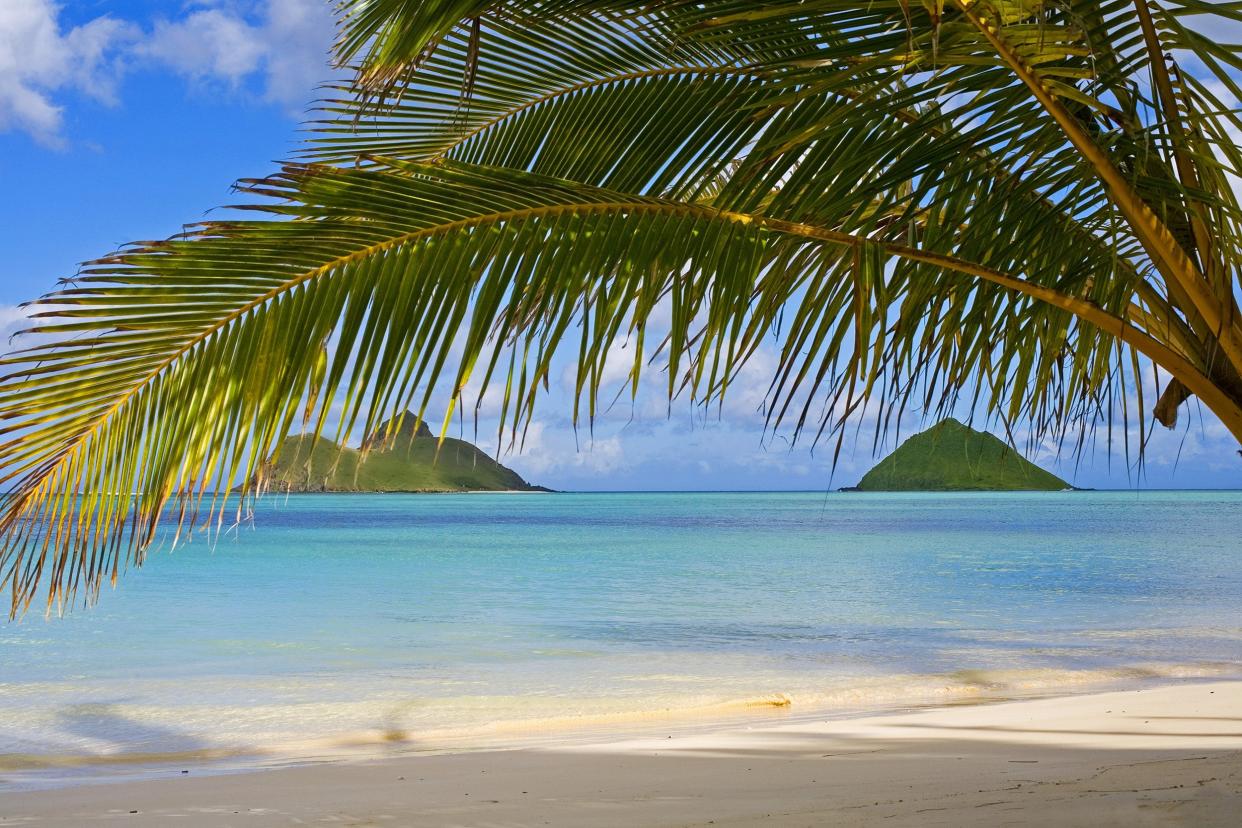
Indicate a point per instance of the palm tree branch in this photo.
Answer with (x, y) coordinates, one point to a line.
(1160, 243)
(859, 94)
(1206, 248)
(225, 392)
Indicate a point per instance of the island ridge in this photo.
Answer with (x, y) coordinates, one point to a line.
(397, 457)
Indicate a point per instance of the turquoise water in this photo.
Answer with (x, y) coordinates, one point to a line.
(347, 625)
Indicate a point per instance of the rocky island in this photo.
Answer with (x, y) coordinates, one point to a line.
(397, 457)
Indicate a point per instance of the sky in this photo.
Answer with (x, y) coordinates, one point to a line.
(124, 119)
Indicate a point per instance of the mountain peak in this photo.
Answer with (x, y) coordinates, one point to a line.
(401, 427)
(952, 422)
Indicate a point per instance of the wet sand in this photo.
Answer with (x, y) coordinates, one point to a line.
(1167, 755)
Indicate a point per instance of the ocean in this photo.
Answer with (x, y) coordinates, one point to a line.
(363, 625)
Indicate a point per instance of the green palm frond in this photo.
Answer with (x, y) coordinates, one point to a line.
(923, 205)
(959, 156)
(529, 98)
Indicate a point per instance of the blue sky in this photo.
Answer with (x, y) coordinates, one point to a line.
(124, 119)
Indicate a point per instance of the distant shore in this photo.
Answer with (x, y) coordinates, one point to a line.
(1162, 755)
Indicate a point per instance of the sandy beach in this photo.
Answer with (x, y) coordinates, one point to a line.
(1168, 755)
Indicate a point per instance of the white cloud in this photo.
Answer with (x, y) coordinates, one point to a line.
(284, 45)
(300, 36)
(615, 384)
(748, 390)
(38, 58)
(206, 44)
(11, 319)
(554, 450)
(279, 46)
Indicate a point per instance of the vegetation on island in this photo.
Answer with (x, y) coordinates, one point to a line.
(397, 457)
(1020, 208)
(952, 457)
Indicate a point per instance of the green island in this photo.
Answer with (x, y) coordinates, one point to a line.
(951, 456)
(396, 457)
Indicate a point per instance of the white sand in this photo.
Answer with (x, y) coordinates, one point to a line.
(1161, 756)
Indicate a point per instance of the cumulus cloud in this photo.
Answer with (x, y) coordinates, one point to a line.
(209, 43)
(278, 48)
(554, 451)
(39, 59)
(283, 45)
(302, 32)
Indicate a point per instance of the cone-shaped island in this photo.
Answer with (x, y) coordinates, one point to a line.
(950, 457)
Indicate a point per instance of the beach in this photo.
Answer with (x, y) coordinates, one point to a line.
(638, 659)
(358, 627)
(1167, 755)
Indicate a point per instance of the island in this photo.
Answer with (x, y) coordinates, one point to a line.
(399, 456)
(951, 457)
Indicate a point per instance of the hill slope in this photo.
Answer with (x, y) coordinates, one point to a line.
(406, 462)
(951, 456)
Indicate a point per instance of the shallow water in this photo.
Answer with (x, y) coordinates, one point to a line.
(346, 625)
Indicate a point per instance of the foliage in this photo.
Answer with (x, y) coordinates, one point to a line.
(1018, 207)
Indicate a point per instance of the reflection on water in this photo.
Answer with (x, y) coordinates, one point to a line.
(360, 623)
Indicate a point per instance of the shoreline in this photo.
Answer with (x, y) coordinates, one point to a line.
(1155, 753)
(858, 699)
